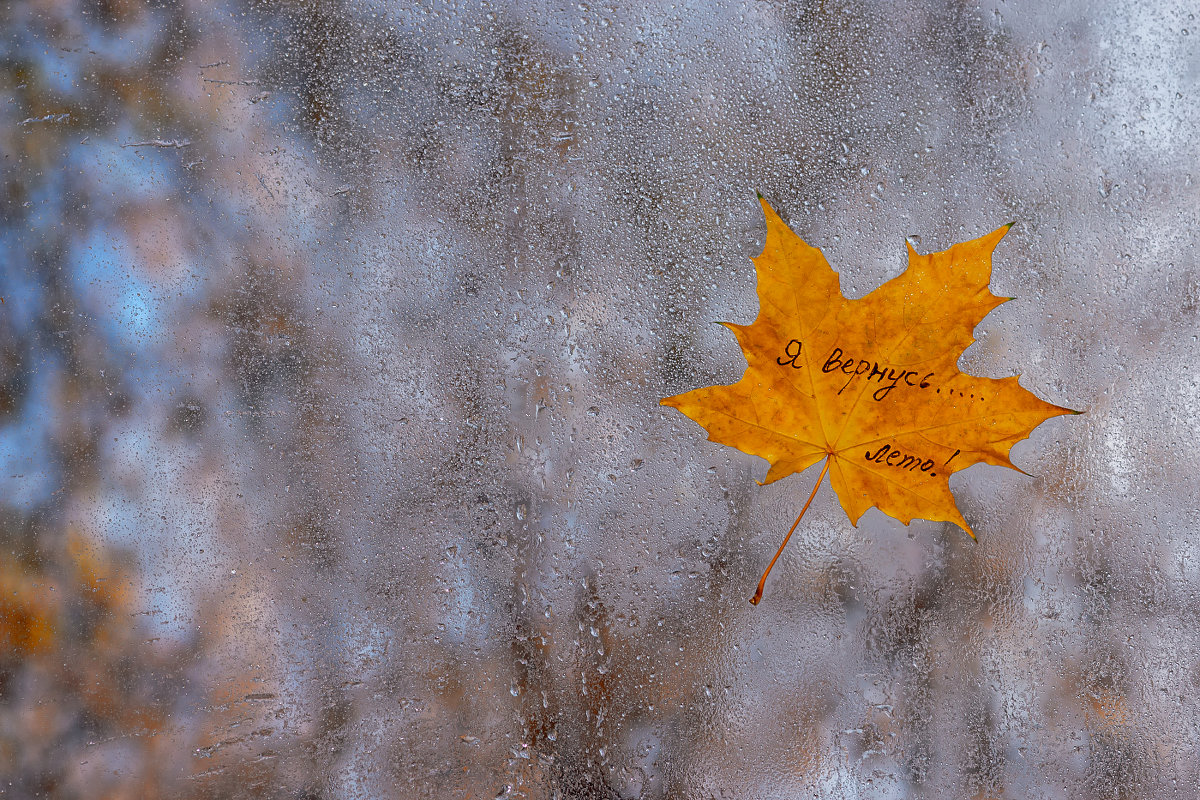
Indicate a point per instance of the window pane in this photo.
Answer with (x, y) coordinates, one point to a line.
(334, 335)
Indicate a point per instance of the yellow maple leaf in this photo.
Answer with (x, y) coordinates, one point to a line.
(870, 386)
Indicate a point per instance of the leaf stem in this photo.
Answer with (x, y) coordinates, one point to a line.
(763, 580)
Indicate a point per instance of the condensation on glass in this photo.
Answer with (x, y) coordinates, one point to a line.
(333, 336)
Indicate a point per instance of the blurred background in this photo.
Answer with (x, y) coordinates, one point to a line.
(331, 342)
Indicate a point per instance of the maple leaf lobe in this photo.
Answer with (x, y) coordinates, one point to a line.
(871, 384)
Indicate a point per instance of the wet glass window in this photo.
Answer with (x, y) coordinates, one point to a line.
(332, 340)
